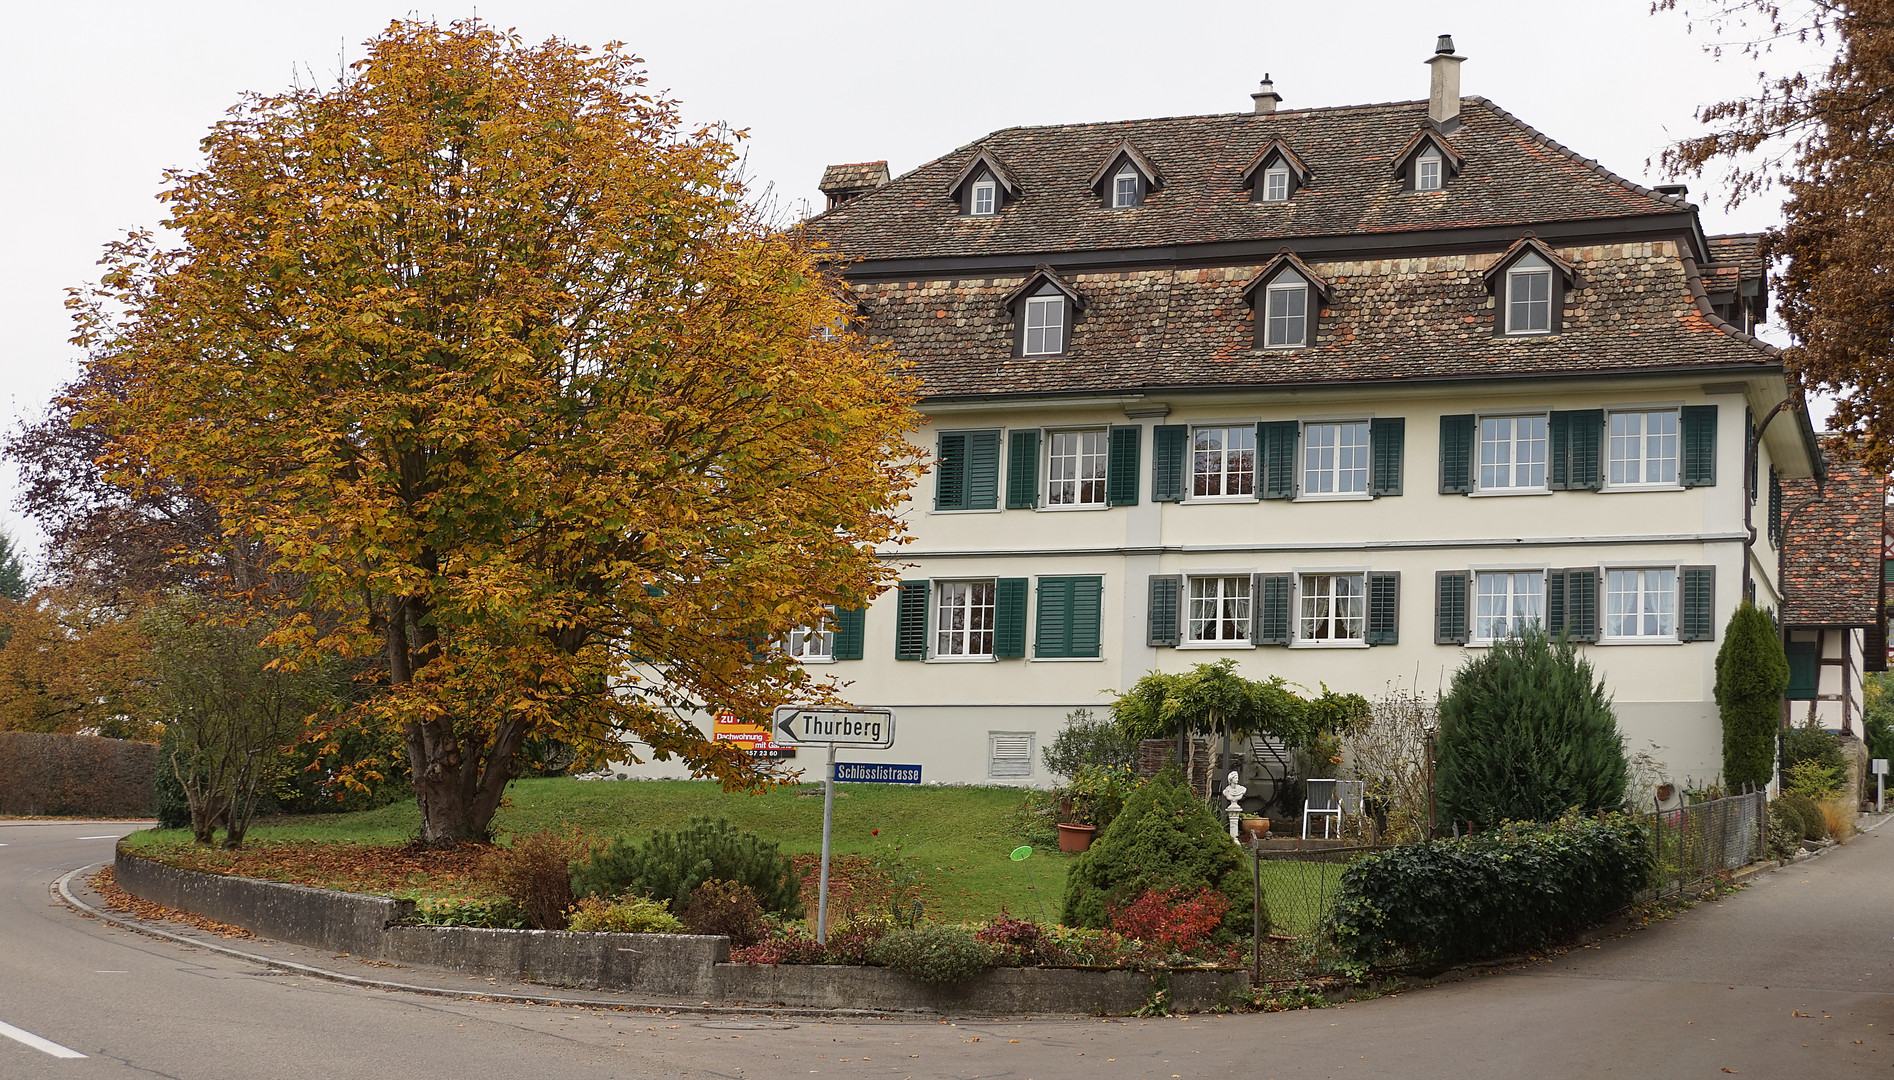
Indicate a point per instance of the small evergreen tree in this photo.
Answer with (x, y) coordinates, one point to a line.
(1165, 838)
(1527, 733)
(671, 865)
(14, 584)
(1752, 673)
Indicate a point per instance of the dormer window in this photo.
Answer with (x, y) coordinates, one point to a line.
(1286, 312)
(1276, 184)
(1043, 310)
(1124, 188)
(1427, 162)
(1529, 296)
(1045, 326)
(1427, 170)
(985, 200)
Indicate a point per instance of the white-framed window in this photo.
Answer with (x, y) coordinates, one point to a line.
(1075, 468)
(1124, 187)
(812, 644)
(1335, 458)
(1223, 462)
(1427, 170)
(963, 618)
(1045, 326)
(1220, 608)
(1529, 296)
(1643, 447)
(1287, 311)
(986, 197)
(1334, 607)
(1641, 604)
(1507, 602)
(1276, 183)
(1512, 452)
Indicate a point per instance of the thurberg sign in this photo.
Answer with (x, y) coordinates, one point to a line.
(872, 728)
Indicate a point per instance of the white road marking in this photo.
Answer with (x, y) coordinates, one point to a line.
(37, 1043)
(112, 837)
(112, 971)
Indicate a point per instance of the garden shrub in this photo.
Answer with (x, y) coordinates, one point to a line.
(1018, 942)
(492, 913)
(1526, 734)
(1089, 740)
(934, 953)
(625, 915)
(1518, 887)
(1838, 818)
(1177, 919)
(174, 807)
(724, 907)
(782, 943)
(669, 865)
(1785, 830)
(536, 874)
(1807, 812)
(1752, 673)
(1811, 743)
(1165, 838)
(1812, 780)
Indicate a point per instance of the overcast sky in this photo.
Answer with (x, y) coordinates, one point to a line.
(101, 97)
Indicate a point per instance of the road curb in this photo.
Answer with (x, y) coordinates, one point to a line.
(63, 893)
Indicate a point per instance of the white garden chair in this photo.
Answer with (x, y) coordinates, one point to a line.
(1331, 800)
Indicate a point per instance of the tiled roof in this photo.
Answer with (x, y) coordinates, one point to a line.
(1633, 308)
(1831, 561)
(1734, 259)
(1513, 176)
(860, 174)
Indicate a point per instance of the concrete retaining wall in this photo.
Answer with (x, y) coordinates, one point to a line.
(665, 965)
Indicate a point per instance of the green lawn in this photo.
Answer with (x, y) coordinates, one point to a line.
(959, 838)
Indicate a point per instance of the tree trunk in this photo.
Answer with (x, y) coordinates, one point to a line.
(458, 786)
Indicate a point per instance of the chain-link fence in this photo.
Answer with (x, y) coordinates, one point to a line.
(1299, 885)
(1691, 844)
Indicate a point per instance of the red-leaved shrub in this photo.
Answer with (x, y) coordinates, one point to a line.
(1019, 942)
(724, 907)
(536, 873)
(1178, 919)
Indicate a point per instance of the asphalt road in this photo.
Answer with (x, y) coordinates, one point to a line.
(1792, 978)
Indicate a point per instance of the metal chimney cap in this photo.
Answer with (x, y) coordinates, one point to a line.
(1444, 46)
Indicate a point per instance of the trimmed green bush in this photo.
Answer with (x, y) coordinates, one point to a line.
(933, 953)
(1526, 734)
(1165, 838)
(1786, 829)
(626, 915)
(670, 866)
(1752, 674)
(1809, 813)
(1518, 887)
(1810, 743)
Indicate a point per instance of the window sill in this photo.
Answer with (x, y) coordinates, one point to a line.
(1495, 493)
(813, 659)
(1215, 645)
(943, 513)
(1068, 659)
(1623, 489)
(1528, 334)
(1335, 496)
(961, 660)
(1638, 641)
(1037, 355)
(1281, 348)
(1302, 644)
(1067, 508)
(1202, 499)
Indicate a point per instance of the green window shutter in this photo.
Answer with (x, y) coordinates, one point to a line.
(1805, 670)
(1088, 611)
(1775, 507)
(1052, 619)
(850, 624)
(1457, 443)
(1160, 623)
(1121, 466)
(1269, 623)
(950, 471)
(983, 470)
(910, 621)
(1009, 618)
(1277, 440)
(1558, 450)
(1586, 436)
(1387, 438)
(1169, 455)
(1450, 607)
(1555, 602)
(1384, 609)
(1696, 608)
(1022, 470)
(1697, 459)
(1581, 603)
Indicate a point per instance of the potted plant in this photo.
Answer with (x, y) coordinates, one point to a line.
(1093, 797)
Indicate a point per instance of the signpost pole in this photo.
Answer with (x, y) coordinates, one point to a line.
(828, 821)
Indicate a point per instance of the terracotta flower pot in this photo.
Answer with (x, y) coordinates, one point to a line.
(1255, 827)
(1073, 837)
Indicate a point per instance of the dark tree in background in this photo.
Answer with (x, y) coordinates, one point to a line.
(1752, 673)
(14, 584)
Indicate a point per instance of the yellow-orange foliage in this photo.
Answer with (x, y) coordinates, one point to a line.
(70, 665)
(490, 352)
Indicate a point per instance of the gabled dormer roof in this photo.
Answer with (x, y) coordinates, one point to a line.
(1519, 248)
(1042, 276)
(984, 161)
(1276, 148)
(1275, 266)
(1127, 152)
(1421, 140)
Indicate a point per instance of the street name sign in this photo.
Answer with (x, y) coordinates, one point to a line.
(865, 728)
(862, 772)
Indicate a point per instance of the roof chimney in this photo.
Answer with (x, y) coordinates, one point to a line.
(1266, 97)
(1443, 97)
(844, 182)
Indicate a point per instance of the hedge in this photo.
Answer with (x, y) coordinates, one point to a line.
(1518, 887)
(76, 775)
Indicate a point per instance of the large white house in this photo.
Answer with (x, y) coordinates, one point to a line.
(1342, 393)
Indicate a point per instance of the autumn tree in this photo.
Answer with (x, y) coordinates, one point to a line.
(1826, 138)
(70, 664)
(486, 349)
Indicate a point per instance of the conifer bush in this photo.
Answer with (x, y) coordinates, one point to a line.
(1165, 839)
(1752, 673)
(671, 865)
(1526, 734)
